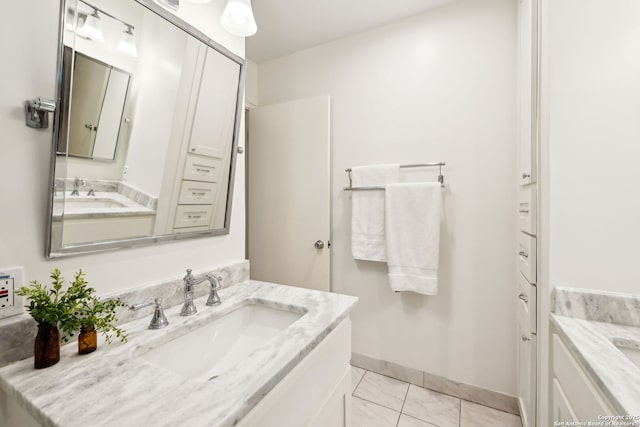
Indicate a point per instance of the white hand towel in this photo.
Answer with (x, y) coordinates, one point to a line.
(413, 236)
(367, 216)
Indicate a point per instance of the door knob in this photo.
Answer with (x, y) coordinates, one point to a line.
(319, 244)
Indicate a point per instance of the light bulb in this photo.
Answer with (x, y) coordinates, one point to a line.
(92, 27)
(238, 19)
(127, 44)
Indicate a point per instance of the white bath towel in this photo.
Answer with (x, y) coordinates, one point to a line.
(367, 215)
(413, 236)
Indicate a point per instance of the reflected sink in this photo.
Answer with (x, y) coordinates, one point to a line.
(633, 354)
(91, 203)
(214, 348)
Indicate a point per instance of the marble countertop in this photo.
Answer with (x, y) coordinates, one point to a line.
(113, 386)
(593, 342)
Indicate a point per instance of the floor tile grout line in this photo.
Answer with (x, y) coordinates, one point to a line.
(403, 402)
(379, 404)
(359, 381)
(375, 403)
(389, 376)
(419, 419)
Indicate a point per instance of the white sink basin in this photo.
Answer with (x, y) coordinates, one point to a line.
(633, 354)
(214, 348)
(91, 203)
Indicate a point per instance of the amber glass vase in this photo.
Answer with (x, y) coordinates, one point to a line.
(87, 340)
(46, 350)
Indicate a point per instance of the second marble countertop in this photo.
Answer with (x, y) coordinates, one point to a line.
(592, 343)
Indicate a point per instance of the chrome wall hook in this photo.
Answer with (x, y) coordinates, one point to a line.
(35, 112)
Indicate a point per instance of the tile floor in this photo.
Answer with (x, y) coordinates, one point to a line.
(380, 401)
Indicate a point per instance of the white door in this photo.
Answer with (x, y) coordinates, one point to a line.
(288, 193)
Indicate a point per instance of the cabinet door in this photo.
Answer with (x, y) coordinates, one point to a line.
(527, 90)
(560, 406)
(212, 127)
(526, 375)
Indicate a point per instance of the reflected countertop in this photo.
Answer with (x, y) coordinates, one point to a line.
(105, 204)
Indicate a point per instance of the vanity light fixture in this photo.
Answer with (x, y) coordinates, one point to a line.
(169, 4)
(127, 44)
(92, 27)
(238, 19)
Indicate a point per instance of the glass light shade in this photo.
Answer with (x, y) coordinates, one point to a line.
(127, 44)
(92, 28)
(238, 19)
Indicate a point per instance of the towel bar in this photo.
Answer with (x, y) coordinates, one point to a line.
(417, 165)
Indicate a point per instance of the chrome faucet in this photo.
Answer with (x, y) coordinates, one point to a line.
(189, 308)
(76, 186)
(158, 320)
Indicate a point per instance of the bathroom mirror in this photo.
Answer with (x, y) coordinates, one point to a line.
(146, 129)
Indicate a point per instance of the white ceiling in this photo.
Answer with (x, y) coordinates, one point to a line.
(287, 26)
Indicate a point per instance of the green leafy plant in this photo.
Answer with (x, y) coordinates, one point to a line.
(69, 309)
(100, 315)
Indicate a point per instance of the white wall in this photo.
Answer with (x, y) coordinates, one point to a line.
(251, 84)
(594, 131)
(25, 154)
(436, 87)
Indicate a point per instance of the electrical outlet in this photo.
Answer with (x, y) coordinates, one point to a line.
(10, 303)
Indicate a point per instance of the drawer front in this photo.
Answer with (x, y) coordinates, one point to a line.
(202, 169)
(527, 209)
(582, 396)
(527, 257)
(527, 303)
(192, 216)
(197, 193)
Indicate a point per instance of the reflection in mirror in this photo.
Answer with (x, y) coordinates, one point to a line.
(96, 110)
(145, 146)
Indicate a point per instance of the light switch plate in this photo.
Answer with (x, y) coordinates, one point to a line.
(10, 280)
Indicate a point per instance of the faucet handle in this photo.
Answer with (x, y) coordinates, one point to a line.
(159, 320)
(214, 298)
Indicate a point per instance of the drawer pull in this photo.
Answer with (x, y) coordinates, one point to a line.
(523, 254)
(203, 170)
(523, 297)
(524, 211)
(525, 175)
(194, 216)
(198, 193)
(525, 338)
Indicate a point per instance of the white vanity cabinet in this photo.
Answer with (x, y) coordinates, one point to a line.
(316, 393)
(574, 397)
